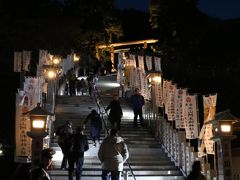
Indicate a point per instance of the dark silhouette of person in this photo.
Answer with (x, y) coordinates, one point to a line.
(72, 84)
(90, 84)
(195, 173)
(64, 132)
(76, 154)
(115, 114)
(95, 125)
(66, 89)
(137, 102)
(108, 66)
(41, 172)
(113, 152)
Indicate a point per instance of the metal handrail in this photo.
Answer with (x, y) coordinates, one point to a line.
(97, 96)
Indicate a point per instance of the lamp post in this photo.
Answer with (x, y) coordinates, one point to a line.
(38, 119)
(52, 72)
(155, 80)
(222, 135)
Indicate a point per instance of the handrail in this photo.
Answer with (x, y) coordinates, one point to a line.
(97, 96)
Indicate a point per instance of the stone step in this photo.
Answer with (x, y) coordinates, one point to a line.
(148, 159)
(134, 165)
(59, 177)
(137, 173)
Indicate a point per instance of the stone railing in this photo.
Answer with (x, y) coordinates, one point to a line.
(174, 142)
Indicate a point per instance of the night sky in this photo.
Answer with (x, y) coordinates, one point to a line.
(223, 9)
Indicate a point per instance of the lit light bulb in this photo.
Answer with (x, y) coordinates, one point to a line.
(56, 61)
(51, 74)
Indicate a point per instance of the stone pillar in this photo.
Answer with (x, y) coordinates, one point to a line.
(224, 156)
(37, 147)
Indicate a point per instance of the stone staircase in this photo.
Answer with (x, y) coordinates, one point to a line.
(147, 160)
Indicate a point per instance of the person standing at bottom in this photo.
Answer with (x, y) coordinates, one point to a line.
(113, 152)
(41, 173)
(79, 145)
(137, 102)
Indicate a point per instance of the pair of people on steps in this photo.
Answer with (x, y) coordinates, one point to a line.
(115, 115)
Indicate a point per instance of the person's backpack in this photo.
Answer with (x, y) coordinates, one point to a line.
(60, 131)
(97, 121)
(78, 144)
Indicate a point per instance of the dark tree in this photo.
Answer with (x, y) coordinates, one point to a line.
(198, 52)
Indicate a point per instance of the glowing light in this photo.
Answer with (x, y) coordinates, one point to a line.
(157, 79)
(226, 128)
(56, 60)
(38, 123)
(51, 74)
(150, 79)
(108, 84)
(76, 58)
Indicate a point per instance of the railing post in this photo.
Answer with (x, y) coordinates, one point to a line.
(125, 175)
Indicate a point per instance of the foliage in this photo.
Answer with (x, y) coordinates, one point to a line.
(198, 52)
(58, 27)
(180, 27)
(135, 25)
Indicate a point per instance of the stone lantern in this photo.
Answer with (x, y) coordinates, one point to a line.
(38, 119)
(222, 135)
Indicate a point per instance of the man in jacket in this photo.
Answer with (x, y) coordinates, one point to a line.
(113, 152)
(79, 144)
(137, 102)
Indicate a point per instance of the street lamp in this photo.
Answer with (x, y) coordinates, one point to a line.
(51, 73)
(76, 58)
(222, 135)
(56, 60)
(155, 83)
(53, 69)
(222, 124)
(154, 77)
(38, 119)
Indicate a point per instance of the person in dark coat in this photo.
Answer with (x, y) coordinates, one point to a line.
(90, 84)
(64, 132)
(72, 84)
(79, 145)
(41, 172)
(195, 173)
(137, 102)
(95, 125)
(115, 114)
